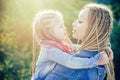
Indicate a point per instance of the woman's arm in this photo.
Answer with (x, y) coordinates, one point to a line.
(71, 61)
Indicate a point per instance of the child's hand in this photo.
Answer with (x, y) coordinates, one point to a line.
(110, 53)
(104, 59)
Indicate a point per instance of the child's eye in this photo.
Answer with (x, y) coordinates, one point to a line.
(79, 21)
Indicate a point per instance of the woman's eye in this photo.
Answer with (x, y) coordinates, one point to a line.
(80, 21)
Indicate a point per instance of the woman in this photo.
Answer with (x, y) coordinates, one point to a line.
(50, 33)
(93, 27)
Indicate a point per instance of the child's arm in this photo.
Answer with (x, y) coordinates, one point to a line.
(71, 61)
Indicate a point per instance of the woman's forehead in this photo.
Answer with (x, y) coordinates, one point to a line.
(83, 13)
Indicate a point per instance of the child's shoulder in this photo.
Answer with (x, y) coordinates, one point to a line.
(50, 49)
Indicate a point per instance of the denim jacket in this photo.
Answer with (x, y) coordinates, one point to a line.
(61, 72)
(49, 57)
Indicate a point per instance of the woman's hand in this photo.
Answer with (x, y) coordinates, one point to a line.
(104, 59)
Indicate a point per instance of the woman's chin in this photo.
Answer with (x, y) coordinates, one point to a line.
(76, 37)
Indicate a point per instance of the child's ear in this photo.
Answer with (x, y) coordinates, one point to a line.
(48, 34)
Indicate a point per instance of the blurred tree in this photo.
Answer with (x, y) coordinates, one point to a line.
(116, 8)
(2, 64)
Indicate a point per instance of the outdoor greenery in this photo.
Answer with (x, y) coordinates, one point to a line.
(16, 17)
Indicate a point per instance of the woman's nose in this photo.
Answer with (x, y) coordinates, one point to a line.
(73, 23)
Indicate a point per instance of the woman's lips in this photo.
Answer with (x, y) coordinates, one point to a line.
(73, 31)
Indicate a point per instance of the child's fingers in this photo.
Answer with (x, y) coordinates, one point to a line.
(110, 53)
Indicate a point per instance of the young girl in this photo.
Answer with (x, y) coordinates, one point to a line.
(50, 33)
(93, 27)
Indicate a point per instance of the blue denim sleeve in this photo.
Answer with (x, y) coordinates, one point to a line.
(70, 61)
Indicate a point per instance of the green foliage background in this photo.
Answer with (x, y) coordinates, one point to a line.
(16, 17)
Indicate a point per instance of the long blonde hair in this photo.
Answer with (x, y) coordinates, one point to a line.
(98, 35)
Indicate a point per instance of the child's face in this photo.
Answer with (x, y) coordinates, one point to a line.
(80, 26)
(60, 30)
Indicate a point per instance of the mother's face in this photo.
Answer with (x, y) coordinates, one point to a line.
(80, 26)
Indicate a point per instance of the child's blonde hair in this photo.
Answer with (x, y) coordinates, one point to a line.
(44, 22)
(99, 29)
(43, 25)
